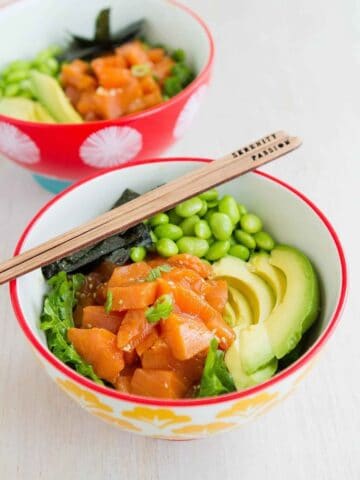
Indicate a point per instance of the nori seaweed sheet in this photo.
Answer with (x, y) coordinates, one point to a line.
(115, 249)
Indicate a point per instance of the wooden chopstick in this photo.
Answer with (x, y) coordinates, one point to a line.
(251, 156)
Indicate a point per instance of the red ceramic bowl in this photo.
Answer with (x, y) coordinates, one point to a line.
(68, 152)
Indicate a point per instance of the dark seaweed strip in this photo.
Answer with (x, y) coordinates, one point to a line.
(126, 196)
(86, 49)
(102, 27)
(115, 249)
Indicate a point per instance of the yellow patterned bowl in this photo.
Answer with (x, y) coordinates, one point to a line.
(278, 204)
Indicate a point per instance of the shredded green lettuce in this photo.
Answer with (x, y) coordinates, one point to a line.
(57, 318)
(216, 378)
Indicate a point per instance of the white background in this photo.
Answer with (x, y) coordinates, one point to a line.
(280, 65)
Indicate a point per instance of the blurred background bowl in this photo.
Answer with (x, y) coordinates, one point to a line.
(288, 216)
(62, 153)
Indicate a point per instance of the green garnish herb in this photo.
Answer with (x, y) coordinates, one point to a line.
(160, 310)
(216, 378)
(141, 70)
(156, 272)
(109, 301)
(57, 318)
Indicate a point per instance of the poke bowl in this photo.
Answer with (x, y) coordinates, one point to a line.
(216, 404)
(61, 146)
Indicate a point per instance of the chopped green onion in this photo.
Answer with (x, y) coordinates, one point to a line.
(160, 310)
(156, 272)
(179, 55)
(141, 70)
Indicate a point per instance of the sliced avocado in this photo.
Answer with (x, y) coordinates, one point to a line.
(234, 365)
(52, 97)
(241, 308)
(24, 109)
(302, 297)
(238, 275)
(42, 114)
(21, 108)
(272, 275)
(282, 330)
(229, 315)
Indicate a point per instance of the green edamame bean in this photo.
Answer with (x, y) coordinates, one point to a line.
(264, 241)
(251, 223)
(153, 237)
(240, 251)
(202, 229)
(189, 207)
(245, 239)
(192, 245)
(229, 206)
(209, 195)
(43, 68)
(218, 250)
(168, 230)
(24, 94)
(203, 210)
(137, 254)
(15, 76)
(166, 247)
(11, 90)
(212, 203)
(209, 214)
(221, 226)
(242, 209)
(159, 219)
(27, 86)
(174, 217)
(18, 65)
(188, 225)
(52, 64)
(232, 240)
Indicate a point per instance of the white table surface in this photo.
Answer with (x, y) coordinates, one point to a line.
(280, 64)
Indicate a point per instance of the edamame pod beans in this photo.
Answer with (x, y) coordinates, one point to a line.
(218, 250)
(192, 245)
(209, 195)
(240, 251)
(245, 239)
(188, 225)
(166, 247)
(159, 219)
(202, 229)
(251, 223)
(189, 207)
(242, 209)
(137, 254)
(203, 210)
(229, 206)
(264, 240)
(168, 230)
(221, 226)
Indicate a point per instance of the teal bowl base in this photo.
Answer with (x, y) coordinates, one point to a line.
(51, 184)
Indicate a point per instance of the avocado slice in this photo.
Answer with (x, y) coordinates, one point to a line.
(229, 315)
(282, 330)
(260, 262)
(42, 114)
(241, 308)
(238, 275)
(234, 365)
(52, 97)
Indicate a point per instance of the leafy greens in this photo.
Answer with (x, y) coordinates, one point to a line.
(216, 378)
(57, 318)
